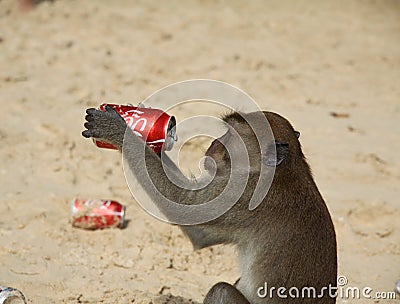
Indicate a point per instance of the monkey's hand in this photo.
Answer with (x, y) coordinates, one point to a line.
(106, 126)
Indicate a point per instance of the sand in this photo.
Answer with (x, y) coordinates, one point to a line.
(303, 59)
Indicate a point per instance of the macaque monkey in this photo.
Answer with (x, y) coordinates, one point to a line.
(287, 243)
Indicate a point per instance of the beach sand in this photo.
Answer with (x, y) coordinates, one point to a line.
(302, 59)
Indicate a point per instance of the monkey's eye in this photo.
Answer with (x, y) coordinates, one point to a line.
(297, 133)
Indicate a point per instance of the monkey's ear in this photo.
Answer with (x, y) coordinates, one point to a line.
(275, 158)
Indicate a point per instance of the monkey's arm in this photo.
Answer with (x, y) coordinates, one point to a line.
(149, 169)
(110, 127)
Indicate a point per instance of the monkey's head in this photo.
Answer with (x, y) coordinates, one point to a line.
(278, 149)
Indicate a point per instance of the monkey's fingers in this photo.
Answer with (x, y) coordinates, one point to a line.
(111, 111)
(91, 133)
(91, 111)
(88, 125)
(102, 124)
(92, 114)
(92, 130)
(89, 117)
(87, 133)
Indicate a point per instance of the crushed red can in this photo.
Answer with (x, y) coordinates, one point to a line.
(153, 125)
(97, 214)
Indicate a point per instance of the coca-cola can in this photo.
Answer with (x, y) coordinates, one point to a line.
(153, 125)
(97, 214)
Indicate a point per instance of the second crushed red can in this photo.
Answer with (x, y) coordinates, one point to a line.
(153, 125)
(97, 214)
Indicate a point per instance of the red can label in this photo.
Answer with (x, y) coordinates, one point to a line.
(154, 126)
(97, 214)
